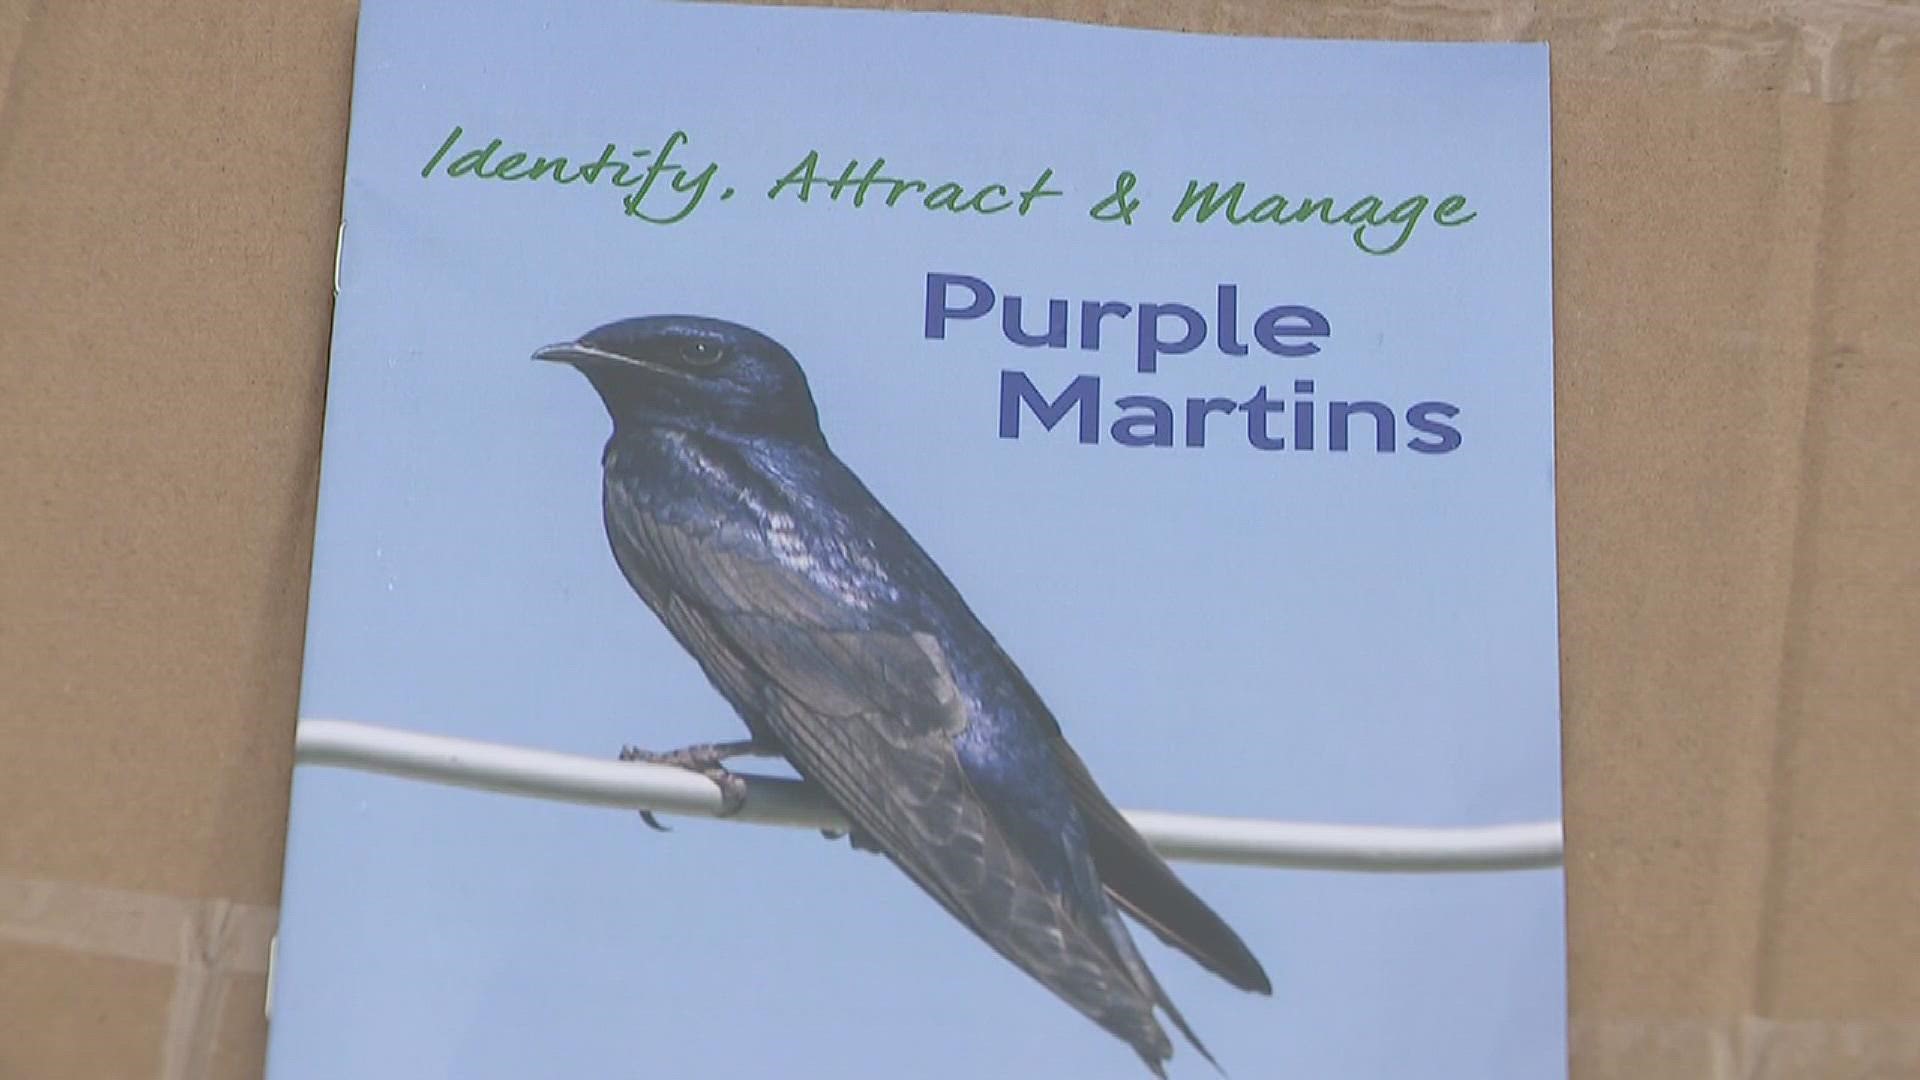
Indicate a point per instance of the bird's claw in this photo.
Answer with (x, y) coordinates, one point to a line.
(705, 760)
(733, 790)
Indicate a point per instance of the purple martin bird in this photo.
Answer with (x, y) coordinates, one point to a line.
(847, 651)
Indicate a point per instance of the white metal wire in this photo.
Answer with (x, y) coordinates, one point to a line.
(775, 801)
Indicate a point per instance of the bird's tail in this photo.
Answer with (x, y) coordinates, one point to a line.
(1173, 1013)
(1154, 1050)
(1145, 887)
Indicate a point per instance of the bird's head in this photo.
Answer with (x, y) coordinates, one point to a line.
(693, 373)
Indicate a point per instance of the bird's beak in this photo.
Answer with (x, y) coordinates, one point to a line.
(566, 352)
(580, 354)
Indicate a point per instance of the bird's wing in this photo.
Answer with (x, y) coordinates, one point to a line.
(869, 713)
(1142, 883)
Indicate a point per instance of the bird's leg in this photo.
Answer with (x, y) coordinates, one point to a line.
(705, 759)
(699, 757)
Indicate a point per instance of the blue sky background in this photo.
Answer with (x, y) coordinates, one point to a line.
(1341, 638)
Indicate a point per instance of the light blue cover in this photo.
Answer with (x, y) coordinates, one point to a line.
(1358, 637)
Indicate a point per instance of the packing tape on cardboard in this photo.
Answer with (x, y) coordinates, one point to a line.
(1749, 1048)
(207, 940)
(1835, 50)
(204, 941)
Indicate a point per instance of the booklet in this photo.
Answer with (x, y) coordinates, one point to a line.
(865, 544)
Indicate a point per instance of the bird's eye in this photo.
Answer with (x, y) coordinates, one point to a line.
(699, 352)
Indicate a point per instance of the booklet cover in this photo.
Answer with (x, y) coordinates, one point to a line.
(1108, 474)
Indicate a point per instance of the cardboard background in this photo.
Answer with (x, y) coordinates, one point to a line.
(1737, 242)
